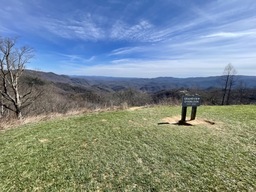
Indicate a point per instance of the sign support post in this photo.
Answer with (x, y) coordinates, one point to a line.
(183, 114)
(193, 113)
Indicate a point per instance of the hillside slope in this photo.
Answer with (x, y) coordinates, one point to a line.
(151, 85)
(129, 151)
(165, 83)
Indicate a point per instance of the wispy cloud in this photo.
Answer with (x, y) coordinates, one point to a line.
(126, 50)
(72, 29)
(75, 58)
(4, 30)
(156, 68)
(137, 32)
(138, 37)
(232, 35)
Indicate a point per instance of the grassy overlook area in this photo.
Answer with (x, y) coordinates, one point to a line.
(128, 151)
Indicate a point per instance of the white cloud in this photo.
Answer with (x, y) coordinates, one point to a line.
(72, 29)
(230, 34)
(156, 68)
(120, 61)
(124, 31)
(125, 50)
(77, 60)
(4, 30)
(202, 36)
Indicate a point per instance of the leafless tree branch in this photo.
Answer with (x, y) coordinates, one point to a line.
(12, 65)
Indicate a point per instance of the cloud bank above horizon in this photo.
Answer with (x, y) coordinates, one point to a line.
(136, 38)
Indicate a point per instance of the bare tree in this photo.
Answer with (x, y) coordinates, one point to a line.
(12, 65)
(228, 80)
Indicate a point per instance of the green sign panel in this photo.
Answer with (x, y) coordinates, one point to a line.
(193, 101)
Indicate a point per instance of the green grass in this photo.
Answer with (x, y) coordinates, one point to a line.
(129, 151)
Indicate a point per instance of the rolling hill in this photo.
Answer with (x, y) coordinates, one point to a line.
(129, 151)
(151, 85)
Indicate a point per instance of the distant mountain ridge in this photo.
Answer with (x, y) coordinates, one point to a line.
(165, 83)
(143, 84)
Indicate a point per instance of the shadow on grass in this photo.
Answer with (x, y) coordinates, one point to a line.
(181, 123)
(186, 123)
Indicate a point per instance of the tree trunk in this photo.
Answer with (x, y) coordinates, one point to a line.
(228, 79)
(225, 90)
(18, 105)
(18, 114)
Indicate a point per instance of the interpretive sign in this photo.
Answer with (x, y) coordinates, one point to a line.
(187, 101)
(191, 101)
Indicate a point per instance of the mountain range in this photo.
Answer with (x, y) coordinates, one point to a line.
(150, 85)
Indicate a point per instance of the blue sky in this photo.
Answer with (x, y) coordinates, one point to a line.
(135, 38)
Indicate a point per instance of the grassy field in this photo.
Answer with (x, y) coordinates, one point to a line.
(128, 151)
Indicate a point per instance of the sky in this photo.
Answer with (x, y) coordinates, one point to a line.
(134, 38)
